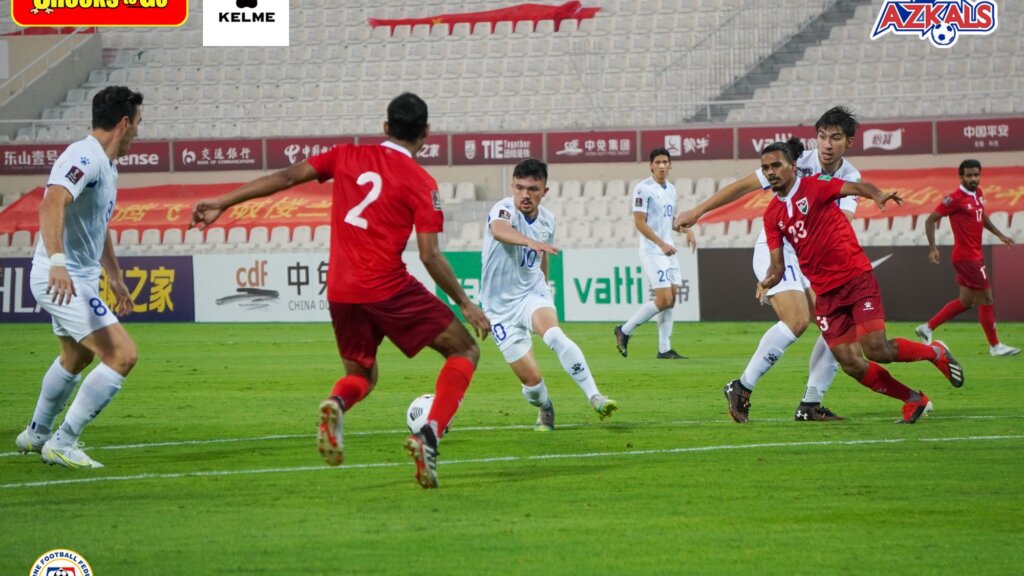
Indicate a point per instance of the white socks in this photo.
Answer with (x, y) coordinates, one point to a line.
(97, 390)
(645, 313)
(58, 384)
(769, 351)
(665, 330)
(573, 362)
(821, 371)
(536, 395)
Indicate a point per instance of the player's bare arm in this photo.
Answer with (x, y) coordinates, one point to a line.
(996, 232)
(115, 281)
(870, 191)
(441, 271)
(504, 232)
(51, 225)
(772, 277)
(723, 197)
(640, 221)
(206, 212)
(929, 232)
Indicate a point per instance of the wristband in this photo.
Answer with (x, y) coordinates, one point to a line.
(59, 259)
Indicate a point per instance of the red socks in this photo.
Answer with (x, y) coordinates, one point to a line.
(910, 351)
(987, 319)
(451, 387)
(948, 312)
(351, 389)
(879, 380)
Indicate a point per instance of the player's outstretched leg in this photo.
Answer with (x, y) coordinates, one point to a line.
(330, 431)
(422, 448)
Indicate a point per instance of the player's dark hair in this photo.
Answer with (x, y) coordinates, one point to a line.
(531, 168)
(660, 152)
(407, 117)
(969, 164)
(840, 117)
(791, 149)
(113, 103)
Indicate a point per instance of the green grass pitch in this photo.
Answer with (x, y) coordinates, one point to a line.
(211, 464)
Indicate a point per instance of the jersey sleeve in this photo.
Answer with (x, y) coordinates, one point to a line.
(771, 233)
(428, 216)
(762, 179)
(500, 211)
(324, 163)
(75, 169)
(947, 206)
(828, 188)
(640, 199)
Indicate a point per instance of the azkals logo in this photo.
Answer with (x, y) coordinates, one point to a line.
(941, 20)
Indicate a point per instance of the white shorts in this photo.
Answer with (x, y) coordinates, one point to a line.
(85, 314)
(661, 271)
(792, 277)
(513, 328)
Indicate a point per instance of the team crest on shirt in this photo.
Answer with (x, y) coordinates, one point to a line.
(801, 205)
(638, 202)
(74, 175)
(504, 214)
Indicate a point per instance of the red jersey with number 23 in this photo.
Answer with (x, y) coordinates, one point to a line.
(380, 193)
(822, 237)
(966, 213)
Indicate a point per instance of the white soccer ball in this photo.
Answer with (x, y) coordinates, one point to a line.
(943, 34)
(416, 415)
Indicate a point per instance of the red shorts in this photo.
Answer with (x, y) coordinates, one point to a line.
(971, 274)
(411, 318)
(850, 311)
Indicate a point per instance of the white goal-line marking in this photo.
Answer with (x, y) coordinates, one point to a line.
(500, 459)
(403, 431)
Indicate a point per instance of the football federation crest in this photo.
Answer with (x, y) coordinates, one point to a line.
(941, 20)
(801, 205)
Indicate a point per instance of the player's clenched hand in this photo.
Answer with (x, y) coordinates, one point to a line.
(761, 292)
(204, 213)
(685, 219)
(668, 249)
(60, 287)
(122, 296)
(477, 319)
(933, 255)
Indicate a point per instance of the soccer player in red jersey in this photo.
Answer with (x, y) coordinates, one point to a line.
(849, 305)
(966, 210)
(380, 194)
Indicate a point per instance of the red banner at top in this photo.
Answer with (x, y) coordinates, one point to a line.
(83, 13)
(921, 190)
(573, 10)
(981, 135)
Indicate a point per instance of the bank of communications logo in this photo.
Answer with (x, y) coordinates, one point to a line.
(60, 562)
(942, 21)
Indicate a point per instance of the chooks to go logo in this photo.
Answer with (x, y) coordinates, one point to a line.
(941, 20)
(87, 13)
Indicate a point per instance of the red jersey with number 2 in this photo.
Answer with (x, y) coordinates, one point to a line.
(822, 237)
(380, 193)
(966, 213)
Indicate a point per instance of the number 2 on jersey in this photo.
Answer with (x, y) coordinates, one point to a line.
(353, 216)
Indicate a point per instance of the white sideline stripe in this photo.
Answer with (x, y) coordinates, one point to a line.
(321, 468)
(471, 429)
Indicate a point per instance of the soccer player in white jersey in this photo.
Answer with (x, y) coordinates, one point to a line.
(73, 246)
(516, 296)
(654, 204)
(792, 298)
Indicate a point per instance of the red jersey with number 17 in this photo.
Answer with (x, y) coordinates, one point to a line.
(380, 193)
(822, 237)
(966, 211)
